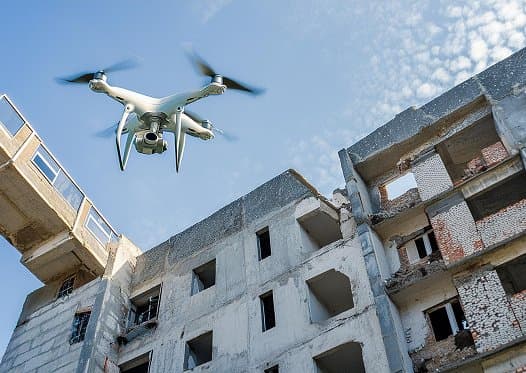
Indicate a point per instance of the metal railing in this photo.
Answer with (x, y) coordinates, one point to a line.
(10, 118)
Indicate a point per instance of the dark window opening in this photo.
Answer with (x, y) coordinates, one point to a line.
(204, 277)
(78, 329)
(425, 245)
(67, 287)
(421, 247)
(344, 358)
(264, 250)
(447, 320)
(503, 195)
(144, 307)
(274, 369)
(513, 275)
(432, 241)
(330, 294)
(140, 364)
(198, 351)
(267, 311)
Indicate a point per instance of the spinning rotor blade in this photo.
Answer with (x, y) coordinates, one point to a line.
(195, 117)
(205, 69)
(110, 131)
(85, 77)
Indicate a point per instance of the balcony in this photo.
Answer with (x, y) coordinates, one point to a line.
(45, 214)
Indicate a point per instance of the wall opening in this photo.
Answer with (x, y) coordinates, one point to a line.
(472, 150)
(268, 316)
(447, 319)
(421, 247)
(344, 358)
(319, 229)
(397, 187)
(140, 364)
(513, 275)
(198, 351)
(80, 324)
(329, 295)
(274, 369)
(66, 288)
(505, 194)
(144, 307)
(263, 237)
(203, 277)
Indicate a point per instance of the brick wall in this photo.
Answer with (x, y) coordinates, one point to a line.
(518, 305)
(456, 233)
(504, 224)
(494, 153)
(431, 177)
(487, 309)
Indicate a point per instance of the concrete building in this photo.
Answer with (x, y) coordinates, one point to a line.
(418, 264)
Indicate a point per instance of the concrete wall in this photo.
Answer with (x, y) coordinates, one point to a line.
(41, 343)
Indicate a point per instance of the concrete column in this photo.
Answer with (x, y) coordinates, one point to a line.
(395, 348)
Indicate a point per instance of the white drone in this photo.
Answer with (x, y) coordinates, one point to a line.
(145, 118)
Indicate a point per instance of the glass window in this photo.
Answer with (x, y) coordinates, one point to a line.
(99, 228)
(9, 118)
(78, 329)
(46, 164)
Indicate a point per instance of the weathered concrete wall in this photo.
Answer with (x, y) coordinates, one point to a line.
(41, 343)
(487, 309)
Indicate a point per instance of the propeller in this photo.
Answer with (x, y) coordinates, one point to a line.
(85, 77)
(196, 117)
(110, 131)
(205, 69)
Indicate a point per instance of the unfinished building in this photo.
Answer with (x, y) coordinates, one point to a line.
(439, 196)
(417, 265)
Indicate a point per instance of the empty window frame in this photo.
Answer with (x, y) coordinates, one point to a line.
(513, 275)
(344, 358)
(447, 319)
(203, 277)
(330, 294)
(66, 288)
(140, 364)
(263, 237)
(78, 329)
(273, 369)
(421, 247)
(144, 307)
(198, 351)
(268, 317)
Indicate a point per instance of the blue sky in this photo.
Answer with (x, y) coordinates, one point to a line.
(334, 71)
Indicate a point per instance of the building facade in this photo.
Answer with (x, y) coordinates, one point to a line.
(417, 265)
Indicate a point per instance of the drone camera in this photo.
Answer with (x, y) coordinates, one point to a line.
(150, 143)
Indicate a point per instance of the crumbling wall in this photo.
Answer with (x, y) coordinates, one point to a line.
(487, 310)
(431, 176)
(504, 224)
(456, 233)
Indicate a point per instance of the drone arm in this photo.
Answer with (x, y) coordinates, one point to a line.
(127, 110)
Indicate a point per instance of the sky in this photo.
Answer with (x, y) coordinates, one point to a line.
(333, 70)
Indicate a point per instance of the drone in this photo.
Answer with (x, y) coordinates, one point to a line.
(145, 118)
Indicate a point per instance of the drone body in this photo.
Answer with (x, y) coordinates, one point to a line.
(146, 118)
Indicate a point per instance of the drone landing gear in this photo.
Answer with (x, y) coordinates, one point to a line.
(180, 137)
(127, 110)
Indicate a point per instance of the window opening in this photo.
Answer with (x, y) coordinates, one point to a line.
(67, 287)
(144, 307)
(513, 275)
(400, 185)
(268, 316)
(424, 246)
(140, 364)
(344, 358)
(447, 320)
(274, 369)
(78, 329)
(198, 351)
(263, 237)
(203, 277)
(330, 294)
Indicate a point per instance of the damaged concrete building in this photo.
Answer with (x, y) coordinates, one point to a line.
(417, 265)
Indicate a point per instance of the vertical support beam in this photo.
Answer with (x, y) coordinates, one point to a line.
(396, 352)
